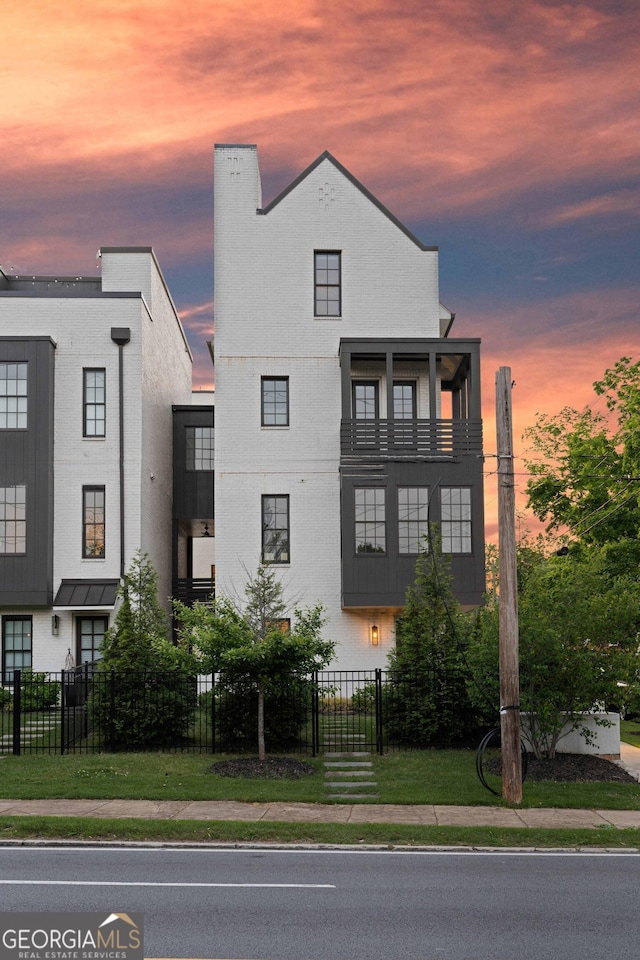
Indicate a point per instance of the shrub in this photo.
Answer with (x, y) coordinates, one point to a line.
(37, 692)
(5, 699)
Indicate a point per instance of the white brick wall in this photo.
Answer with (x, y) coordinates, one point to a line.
(265, 325)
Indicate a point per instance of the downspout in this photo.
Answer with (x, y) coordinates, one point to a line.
(121, 336)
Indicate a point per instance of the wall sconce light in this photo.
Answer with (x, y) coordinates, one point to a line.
(55, 624)
(375, 636)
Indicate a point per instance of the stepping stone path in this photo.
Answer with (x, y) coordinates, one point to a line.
(349, 776)
(30, 731)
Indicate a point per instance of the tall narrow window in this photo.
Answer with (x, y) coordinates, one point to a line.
(370, 520)
(13, 396)
(328, 297)
(13, 519)
(94, 402)
(90, 634)
(404, 409)
(200, 448)
(365, 400)
(275, 401)
(404, 400)
(275, 529)
(455, 514)
(93, 529)
(413, 519)
(16, 645)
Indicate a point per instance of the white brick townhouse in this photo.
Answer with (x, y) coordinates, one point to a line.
(346, 417)
(89, 370)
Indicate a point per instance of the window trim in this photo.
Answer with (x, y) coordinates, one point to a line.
(419, 540)
(17, 396)
(11, 618)
(357, 541)
(264, 528)
(463, 526)
(15, 520)
(273, 379)
(414, 398)
(376, 390)
(317, 287)
(86, 404)
(79, 621)
(86, 555)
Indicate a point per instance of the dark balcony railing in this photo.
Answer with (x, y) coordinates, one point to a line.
(190, 589)
(398, 438)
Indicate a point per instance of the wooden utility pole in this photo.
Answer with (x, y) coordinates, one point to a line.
(509, 665)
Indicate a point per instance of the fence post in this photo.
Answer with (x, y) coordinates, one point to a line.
(112, 697)
(63, 696)
(17, 709)
(314, 715)
(213, 713)
(379, 710)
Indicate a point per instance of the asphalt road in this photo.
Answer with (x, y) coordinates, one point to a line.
(343, 904)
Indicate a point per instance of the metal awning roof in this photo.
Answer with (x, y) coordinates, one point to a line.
(86, 593)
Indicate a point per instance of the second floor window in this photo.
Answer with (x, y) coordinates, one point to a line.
(93, 526)
(370, 520)
(13, 519)
(13, 396)
(455, 511)
(327, 284)
(275, 529)
(200, 448)
(413, 519)
(275, 401)
(94, 402)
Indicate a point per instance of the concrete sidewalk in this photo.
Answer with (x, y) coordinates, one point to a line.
(415, 814)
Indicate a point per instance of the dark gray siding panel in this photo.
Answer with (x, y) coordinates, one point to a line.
(192, 489)
(371, 580)
(26, 457)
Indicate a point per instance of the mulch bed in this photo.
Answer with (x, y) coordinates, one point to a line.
(564, 768)
(273, 768)
(571, 768)
(577, 768)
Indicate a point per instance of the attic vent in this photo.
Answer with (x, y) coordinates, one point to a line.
(326, 195)
(235, 167)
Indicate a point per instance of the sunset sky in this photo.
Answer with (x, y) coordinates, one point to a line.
(506, 133)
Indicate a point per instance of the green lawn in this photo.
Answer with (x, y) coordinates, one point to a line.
(430, 777)
(630, 732)
(382, 835)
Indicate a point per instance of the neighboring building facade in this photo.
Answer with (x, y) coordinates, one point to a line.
(89, 370)
(346, 418)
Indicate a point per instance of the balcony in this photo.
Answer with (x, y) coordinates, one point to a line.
(190, 589)
(410, 439)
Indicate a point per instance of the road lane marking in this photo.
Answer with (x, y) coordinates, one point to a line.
(168, 883)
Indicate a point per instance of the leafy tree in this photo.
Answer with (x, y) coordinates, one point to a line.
(427, 703)
(144, 692)
(249, 647)
(586, 473)
(579, 626)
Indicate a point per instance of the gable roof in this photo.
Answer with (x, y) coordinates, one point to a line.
(356, 183)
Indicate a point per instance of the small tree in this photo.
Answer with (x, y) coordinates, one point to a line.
(152, 697)
(249, 645)
(428, 702)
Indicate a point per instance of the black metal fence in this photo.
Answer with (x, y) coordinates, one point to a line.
(88, 710)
